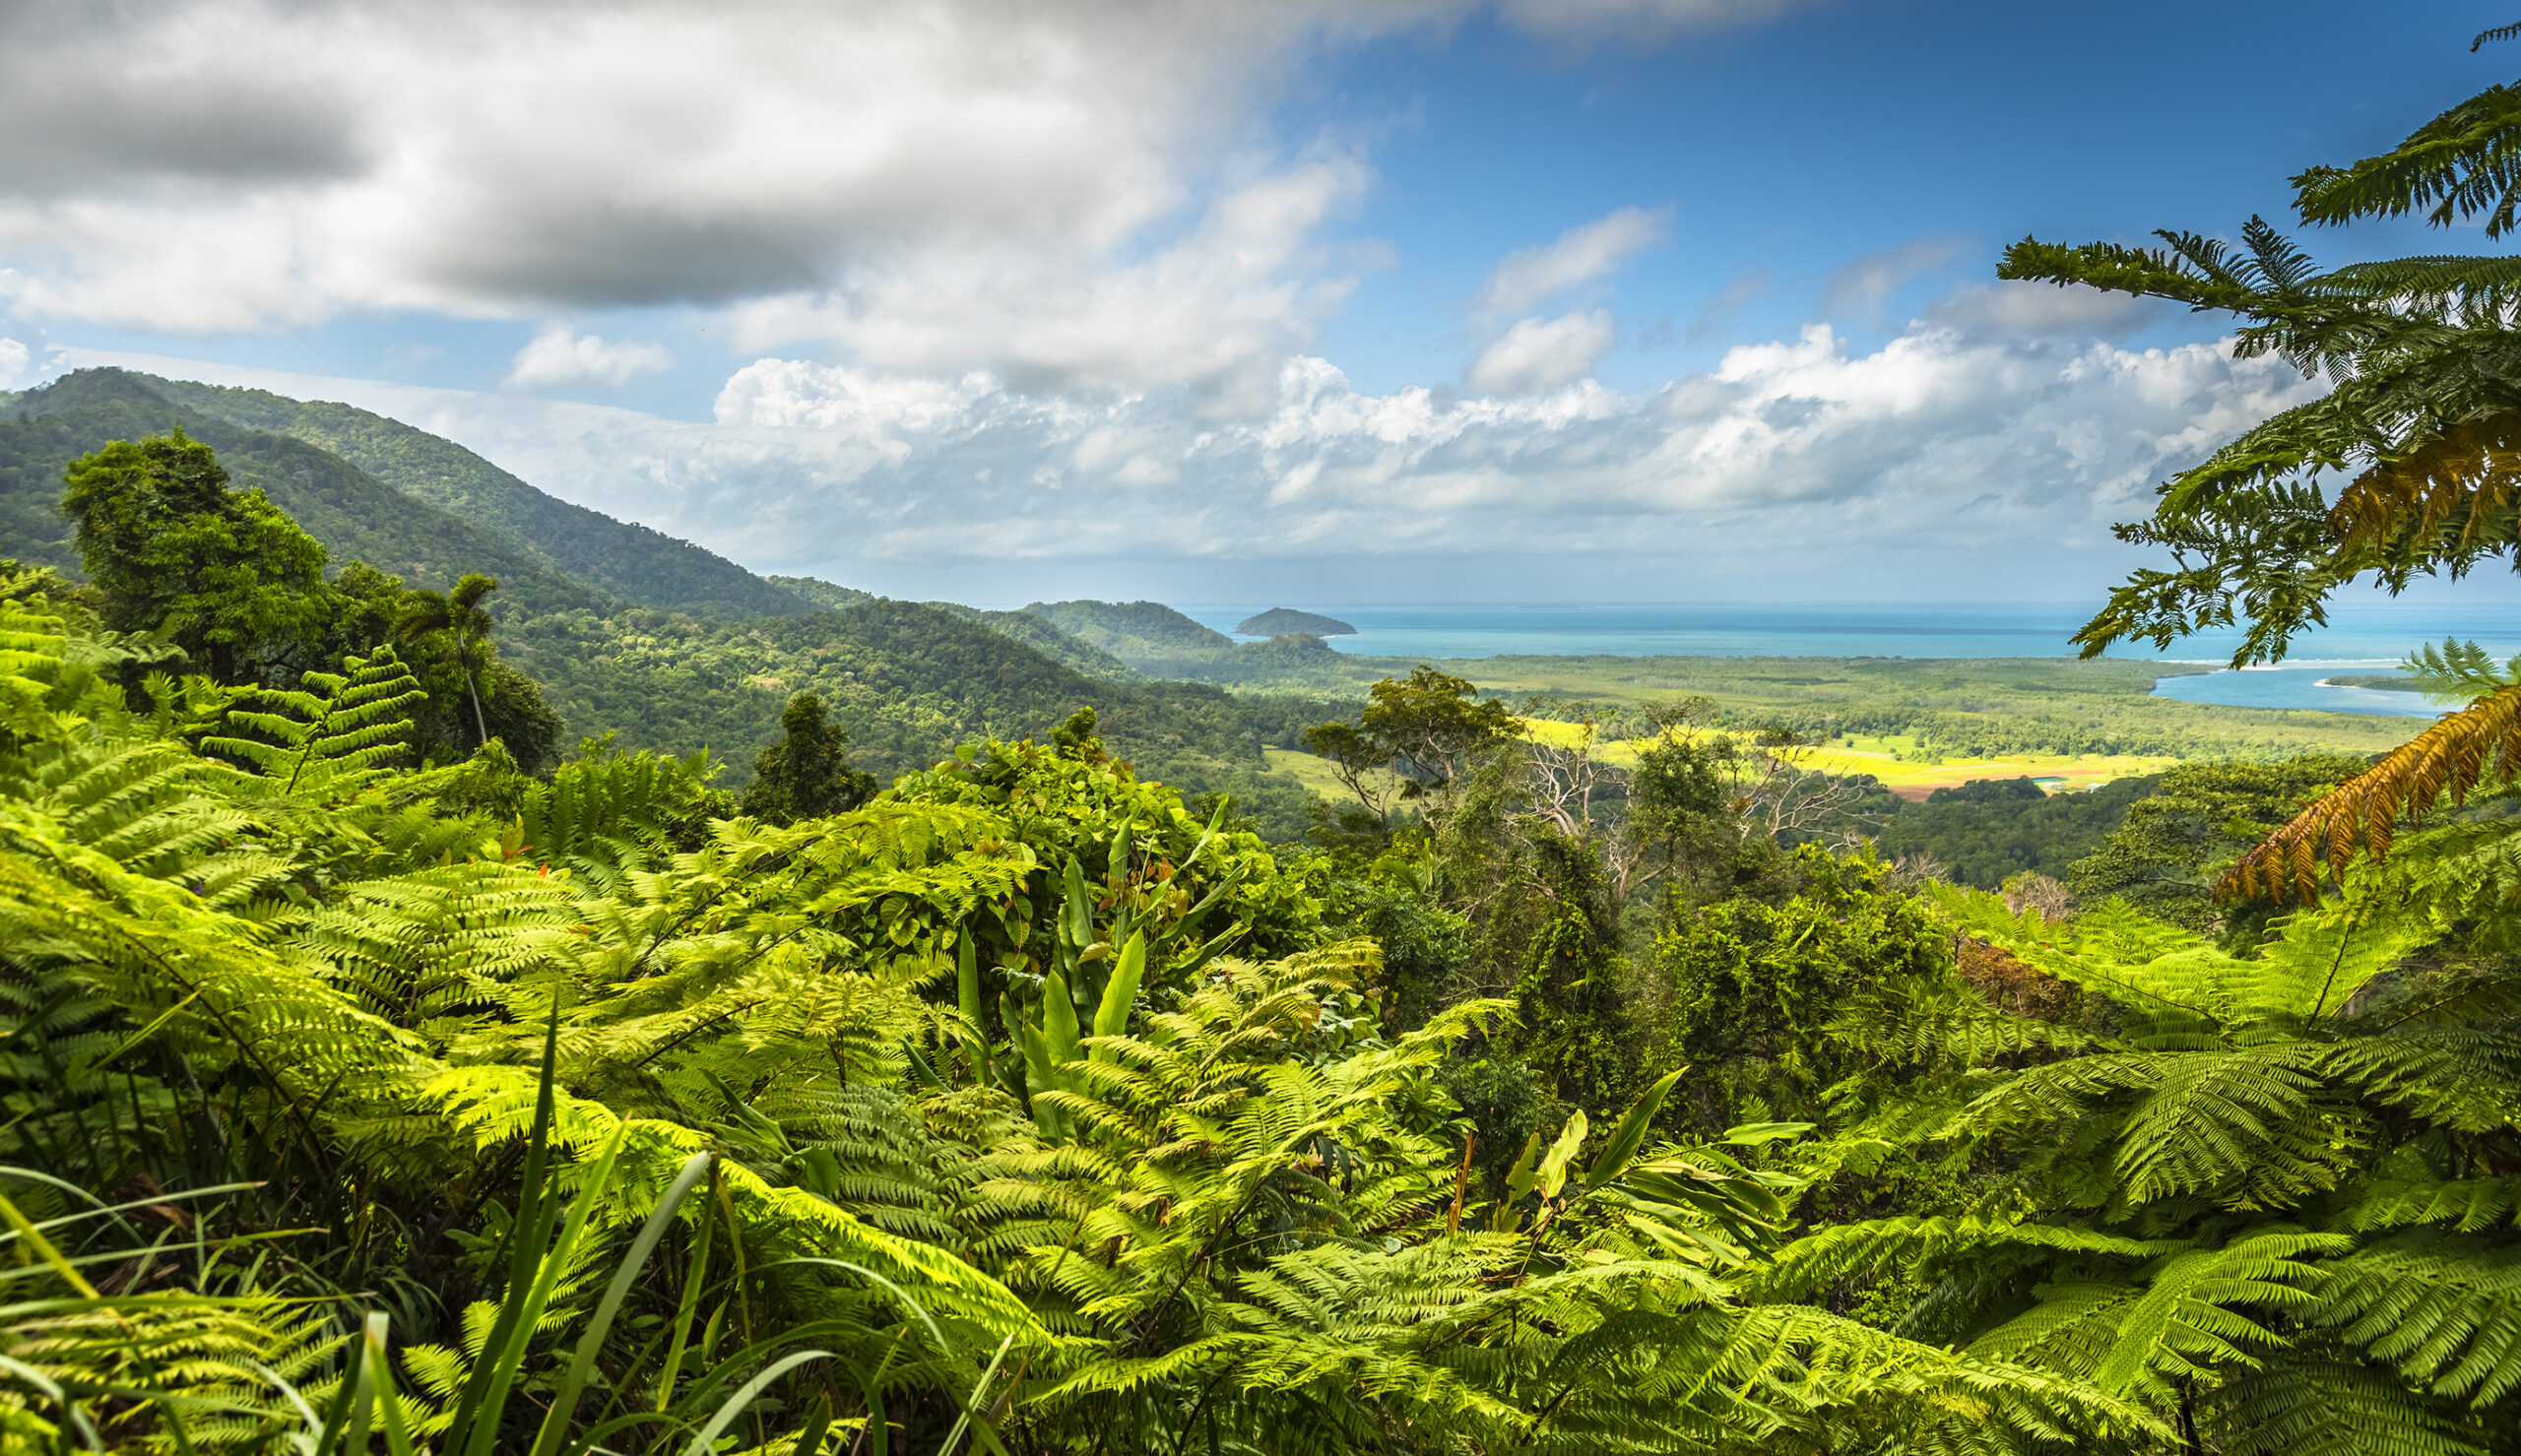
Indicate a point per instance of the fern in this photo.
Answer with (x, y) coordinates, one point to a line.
(2359, 816)
(329, 741)
(2442, 1309)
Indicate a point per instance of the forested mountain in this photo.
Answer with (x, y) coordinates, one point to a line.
(906, 682)
(1039, 634)
(1134, 631)
(641, 565)
(354, 515)
(826, 595)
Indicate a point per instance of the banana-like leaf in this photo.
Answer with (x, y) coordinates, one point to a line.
(1629, 1135)
(1111, 1016)
(1552, 1175)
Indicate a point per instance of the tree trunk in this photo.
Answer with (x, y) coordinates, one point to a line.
(479, 721)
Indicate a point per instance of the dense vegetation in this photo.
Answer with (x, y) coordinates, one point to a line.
(1985, 831)
(1596, 1089)
(1951, 708)
(905, 682)
(632, 562)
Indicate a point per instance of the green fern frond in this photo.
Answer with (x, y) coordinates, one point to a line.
(332, 739)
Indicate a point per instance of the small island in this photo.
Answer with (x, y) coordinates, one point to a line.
(1279, 621)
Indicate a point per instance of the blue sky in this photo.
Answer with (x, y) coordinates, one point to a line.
(1607, 300)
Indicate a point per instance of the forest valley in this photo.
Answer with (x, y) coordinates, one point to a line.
(380, 1077)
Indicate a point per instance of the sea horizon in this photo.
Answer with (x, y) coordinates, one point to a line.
(2363, 635)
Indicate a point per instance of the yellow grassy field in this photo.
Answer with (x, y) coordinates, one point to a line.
(1897, 762)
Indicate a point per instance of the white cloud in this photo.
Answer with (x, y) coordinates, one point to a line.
(1528, 275)
(17, 363)
(1538, 354)
(1868, 283)
(1974, 454)
(1217, 309)
(1977, 457)
(939, 184)
(2013, 308)
(556, 356)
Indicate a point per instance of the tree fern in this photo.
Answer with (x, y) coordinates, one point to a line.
(329, 737)
(2359, 816)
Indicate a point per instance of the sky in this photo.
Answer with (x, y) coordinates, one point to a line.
(1390, 300)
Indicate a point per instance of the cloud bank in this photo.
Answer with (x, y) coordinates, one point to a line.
(1948, 444)
(1024, 284)
(1070, 193)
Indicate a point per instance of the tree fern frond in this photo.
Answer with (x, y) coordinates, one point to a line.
(2358, 817)
(2454, 494)
(2443, 1309)
(2459, 164)
(2299, 1404)
(330, 739)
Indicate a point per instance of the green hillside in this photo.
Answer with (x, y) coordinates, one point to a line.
(1040, 635)
(632, 562)
(1035, 632)
(1134, 630)
(825, 595)
(906, 682)
(354, 514)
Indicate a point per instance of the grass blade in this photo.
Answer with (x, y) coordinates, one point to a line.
(565, 1406)
(736, 1403)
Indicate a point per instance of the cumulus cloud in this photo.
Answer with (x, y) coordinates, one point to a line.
(230, 164)
(555, 357)
(1217, 309)
(17, 363)
(1537, 355)
(938, 184)
(1939, 445)
(1528, 275)
(2011, 307)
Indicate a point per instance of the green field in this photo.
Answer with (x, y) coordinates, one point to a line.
(1919, 722)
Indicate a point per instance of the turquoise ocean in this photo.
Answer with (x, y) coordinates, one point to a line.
(2361, 638)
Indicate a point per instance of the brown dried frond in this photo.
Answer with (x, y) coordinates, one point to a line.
(2359, 816)
(2454, 494)
(2015, 988)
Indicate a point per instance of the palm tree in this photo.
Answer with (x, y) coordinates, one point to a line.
(459, 615)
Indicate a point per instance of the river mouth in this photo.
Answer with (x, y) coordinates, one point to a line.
(2298, 689)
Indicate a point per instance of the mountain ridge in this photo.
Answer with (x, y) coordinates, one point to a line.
(638, 563)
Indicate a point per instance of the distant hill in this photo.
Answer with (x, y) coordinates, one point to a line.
(825, 595)
(1134, 630)
(1034, 632)
(1159, 642)
(907, 682)
(1280, 621)
(624, 558)
(353, 513)
(1037, 633)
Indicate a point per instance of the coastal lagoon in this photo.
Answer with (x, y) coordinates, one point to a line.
(2361, 638)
